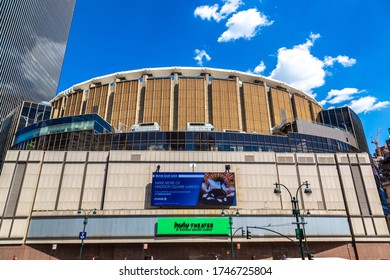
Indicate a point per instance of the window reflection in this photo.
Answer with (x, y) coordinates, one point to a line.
(68, 137)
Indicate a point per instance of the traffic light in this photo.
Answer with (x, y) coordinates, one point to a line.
(243, 233)
(248, 234)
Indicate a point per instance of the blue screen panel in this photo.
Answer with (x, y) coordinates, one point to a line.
(193, 189)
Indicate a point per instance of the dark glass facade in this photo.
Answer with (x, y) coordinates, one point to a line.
(33, 38)
(88, 140)
(92, 122)
(347, 119)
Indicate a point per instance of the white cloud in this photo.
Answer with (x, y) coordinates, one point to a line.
(207, 12)
(361, 105)
(211, 12)
(313, 37)
(367, 104)
(259, 68)
(338, 96)
(244, 24)
(299, 68)
(322, 102)
(200, 55)
(342, 59)
(230, 7)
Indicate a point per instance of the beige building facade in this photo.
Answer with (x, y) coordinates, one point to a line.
(41, 192)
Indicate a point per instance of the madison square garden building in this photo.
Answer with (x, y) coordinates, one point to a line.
(145, 162)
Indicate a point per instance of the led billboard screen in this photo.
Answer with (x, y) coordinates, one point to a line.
(193, 189)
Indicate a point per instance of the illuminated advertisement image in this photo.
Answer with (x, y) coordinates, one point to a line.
(193, 189)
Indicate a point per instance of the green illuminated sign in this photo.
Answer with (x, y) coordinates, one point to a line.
(193, 226)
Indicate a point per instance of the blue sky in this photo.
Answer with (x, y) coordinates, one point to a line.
(337, 51)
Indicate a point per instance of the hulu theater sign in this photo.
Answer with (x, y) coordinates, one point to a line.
(193, 226)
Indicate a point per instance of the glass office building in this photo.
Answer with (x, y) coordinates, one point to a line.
(22, 116)
(33, 38)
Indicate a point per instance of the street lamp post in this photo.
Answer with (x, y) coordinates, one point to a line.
(86, 214)
(296, 211)
(230, 214)
(309, 255)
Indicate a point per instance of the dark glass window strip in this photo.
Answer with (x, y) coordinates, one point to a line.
(184, 141)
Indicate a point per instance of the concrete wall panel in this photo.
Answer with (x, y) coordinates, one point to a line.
(371, 190)
(368, 223)
(5, 228)
(71, 185)
(29, 187)
(5, 183)
(46, 196)
(349, 188)
(93, 186)
(381, 226)
(53, 156)
(12, 155)
(19, 228)
(314, 200)
(331, 188)
(358, 226)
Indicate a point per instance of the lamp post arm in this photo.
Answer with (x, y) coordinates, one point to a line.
(279, 184)
(237, 230)
(303, 184)
(274, 231)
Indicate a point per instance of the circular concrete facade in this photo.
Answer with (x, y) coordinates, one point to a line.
(175, 96)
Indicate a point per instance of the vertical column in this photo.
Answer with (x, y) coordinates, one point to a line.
(267, 89)
(174, 83)
(141, 99)
(138, 105)
(239, 103)
(206, 98)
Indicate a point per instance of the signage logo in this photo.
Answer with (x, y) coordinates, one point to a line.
(193, 226)
(188, 227)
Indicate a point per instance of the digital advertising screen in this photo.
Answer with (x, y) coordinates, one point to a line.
(192, 189)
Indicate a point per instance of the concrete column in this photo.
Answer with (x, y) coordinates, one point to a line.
(266, 88)
(206, 98)
(172, 100)
(141, 85)
(239, 113)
